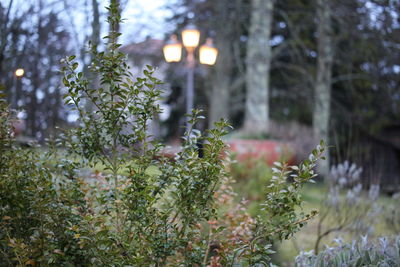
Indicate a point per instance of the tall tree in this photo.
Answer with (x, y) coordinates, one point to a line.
(36, 42)
(8, 31)
(95, 23)
(95, 42)
(321, 115)
(5, 31)
(228, 20)
(258, 61)
(219, 98)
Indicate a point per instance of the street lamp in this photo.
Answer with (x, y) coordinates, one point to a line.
(208, 53)
(19, 73)
(190, 37)
(173, 51)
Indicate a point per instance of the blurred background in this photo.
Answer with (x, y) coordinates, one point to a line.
(284, 73)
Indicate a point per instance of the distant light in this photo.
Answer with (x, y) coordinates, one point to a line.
(19, 72)
(208, 53)
(190, 36)
(172, 50)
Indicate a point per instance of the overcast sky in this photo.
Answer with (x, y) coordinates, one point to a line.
(143, 17)
(146, 18)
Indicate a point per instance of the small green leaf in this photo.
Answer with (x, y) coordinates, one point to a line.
(153, 171)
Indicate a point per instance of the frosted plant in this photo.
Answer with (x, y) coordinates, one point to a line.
(347, 207)
(361, 252)
(345, 174)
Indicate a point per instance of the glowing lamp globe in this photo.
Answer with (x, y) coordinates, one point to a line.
(19, 72)
(172, 50)
(190, 37)
(208, 53)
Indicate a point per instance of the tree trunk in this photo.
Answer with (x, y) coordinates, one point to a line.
(323, 80)
(222, 76)
(36, 77)
(219, 101)
(4, 21)
(4, 34)
(258, 61)
(95, 41)
(95, 23)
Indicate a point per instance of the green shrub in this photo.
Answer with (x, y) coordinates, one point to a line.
(151, 214)
(35, 219)
(358, 253)
(146, 207)
(144, 210)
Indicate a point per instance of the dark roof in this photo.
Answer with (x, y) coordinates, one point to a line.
(149, 47)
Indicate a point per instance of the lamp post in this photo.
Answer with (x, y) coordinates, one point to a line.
(173, 53)
(19, 73)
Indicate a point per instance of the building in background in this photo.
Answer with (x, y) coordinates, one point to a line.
(149, 52)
